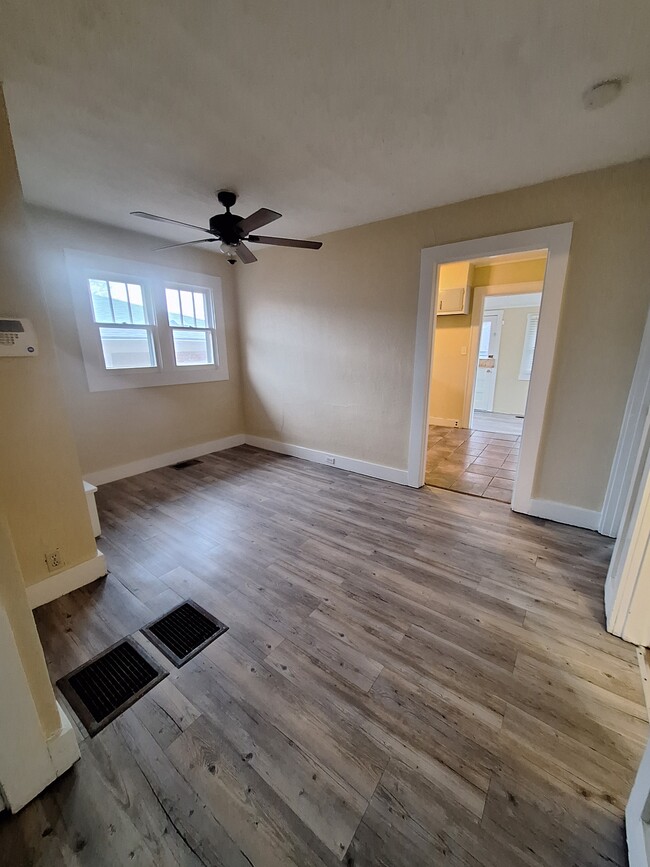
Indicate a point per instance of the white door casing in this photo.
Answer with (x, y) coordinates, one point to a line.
(556, 240)
(629, 442)
(637, 816)
(627, 587)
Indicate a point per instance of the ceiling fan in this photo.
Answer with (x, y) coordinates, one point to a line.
(232, 230)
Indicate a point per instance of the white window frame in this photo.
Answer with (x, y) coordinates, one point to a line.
(525, 372)
(154, 279)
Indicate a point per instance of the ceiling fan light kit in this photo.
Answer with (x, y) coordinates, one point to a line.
(233, 230)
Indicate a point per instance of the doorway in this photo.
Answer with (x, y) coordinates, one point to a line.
(487, 438)
(555, 242)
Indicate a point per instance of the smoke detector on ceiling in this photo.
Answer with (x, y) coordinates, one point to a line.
(601, 94)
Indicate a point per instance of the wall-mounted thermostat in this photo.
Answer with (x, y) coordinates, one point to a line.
(17, 337)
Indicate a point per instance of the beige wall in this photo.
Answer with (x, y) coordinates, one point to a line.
(510, 392)
(41, 496)
(449, 364)
(112, 428)
(330, 336)
(40, 483)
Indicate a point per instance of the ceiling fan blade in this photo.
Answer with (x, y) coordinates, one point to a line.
(167, 220)
(260, 218)
(245, 254)
(285, 242)
(186, 244)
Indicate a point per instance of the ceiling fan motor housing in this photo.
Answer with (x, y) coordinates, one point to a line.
(226, 227)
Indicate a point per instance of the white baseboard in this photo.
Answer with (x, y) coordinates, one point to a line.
(575, 516)
(65, 582)
(352, 465)
(444, 422)
(62, 746)
(112, 474)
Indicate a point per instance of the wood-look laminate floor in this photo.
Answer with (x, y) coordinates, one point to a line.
(410, 678)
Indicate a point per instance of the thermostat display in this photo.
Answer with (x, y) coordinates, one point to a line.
(17, 337)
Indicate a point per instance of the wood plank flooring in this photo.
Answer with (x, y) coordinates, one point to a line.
(410, 678)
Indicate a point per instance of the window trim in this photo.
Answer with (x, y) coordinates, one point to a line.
(525, 373)
(154, 279)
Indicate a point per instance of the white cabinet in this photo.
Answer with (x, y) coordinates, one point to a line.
(453, 289)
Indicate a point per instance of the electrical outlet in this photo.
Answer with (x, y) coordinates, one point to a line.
(54, 559)
(331, 460)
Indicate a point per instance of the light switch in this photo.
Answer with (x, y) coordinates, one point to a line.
(463, 350)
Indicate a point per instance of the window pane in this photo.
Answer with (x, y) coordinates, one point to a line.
(114, 301)
(484, 345)
(120, 300)
(126, 348)
(102, 309)
(138, 316)
(173, 307)
(528, 352)
(187, 307)
(199, 310)
(192, 347)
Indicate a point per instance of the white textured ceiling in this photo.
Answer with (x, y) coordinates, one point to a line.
(334, 112)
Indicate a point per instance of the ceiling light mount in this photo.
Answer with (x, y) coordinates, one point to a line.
(602, 93)
(227, 198)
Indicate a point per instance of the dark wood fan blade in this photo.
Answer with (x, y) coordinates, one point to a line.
(285, 242)
(260, 218)
(167, 220)
(245, 254)
(186, 244)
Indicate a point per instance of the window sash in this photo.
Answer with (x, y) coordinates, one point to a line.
(182, 291)
(210, 343)
(151, 342)
(153, 282)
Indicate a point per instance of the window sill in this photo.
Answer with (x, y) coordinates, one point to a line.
(104, 380)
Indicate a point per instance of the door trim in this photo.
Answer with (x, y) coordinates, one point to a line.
(556, 240)
(637, 816)
(629, 442)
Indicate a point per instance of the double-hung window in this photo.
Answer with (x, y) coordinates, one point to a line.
(142, 325)
(188, 315)
(528, 351)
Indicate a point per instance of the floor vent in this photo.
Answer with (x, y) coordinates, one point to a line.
(183, 465)
(184, 631)
(100, 690)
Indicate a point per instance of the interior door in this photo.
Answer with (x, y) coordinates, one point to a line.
(488, 357)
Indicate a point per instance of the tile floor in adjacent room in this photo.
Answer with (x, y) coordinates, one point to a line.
(472, 462)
